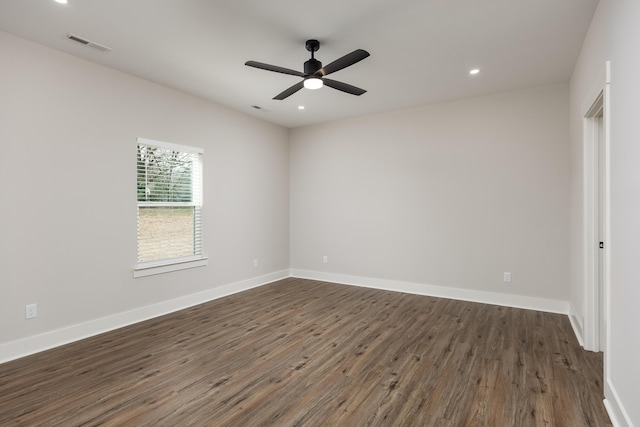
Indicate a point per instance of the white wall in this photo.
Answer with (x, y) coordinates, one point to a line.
(624, 353)
(68, 218)
(448, 195)
(614, 36)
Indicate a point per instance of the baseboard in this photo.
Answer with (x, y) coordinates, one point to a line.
(508, 300)
(35, 344)
(617, 414)
(576, 324)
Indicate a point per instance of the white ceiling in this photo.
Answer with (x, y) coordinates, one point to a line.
(421, 50)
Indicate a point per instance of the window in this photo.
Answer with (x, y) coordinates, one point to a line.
(169, 196)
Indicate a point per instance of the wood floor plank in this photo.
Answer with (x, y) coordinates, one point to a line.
(309, 353)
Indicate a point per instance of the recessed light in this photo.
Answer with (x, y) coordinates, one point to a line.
(300, 107)
(474, 71)
(61, 1)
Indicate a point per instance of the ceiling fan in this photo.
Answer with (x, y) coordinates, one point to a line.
(314, 74)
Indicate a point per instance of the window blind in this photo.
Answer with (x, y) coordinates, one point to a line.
(169, 197)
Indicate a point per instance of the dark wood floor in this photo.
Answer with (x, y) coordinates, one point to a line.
(306, 353)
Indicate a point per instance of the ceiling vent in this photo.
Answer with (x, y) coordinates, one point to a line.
(89, 43)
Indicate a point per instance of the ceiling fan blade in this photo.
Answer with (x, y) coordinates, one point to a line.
(274, 68)
(344, 87)
(288, 92)
(345, 61)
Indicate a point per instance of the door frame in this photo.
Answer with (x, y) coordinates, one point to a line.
(596, 145)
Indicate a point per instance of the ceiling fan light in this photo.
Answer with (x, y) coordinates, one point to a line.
(313, 83)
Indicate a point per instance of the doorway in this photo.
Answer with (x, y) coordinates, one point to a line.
(596, 185)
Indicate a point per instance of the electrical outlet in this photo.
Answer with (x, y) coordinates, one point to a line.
(31, 311)
(255, 263)
(325, 259)
(506, 277)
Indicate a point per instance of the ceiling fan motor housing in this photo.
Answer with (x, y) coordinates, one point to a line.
(311, 66)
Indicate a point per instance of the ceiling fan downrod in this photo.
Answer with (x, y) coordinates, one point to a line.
(312, 65)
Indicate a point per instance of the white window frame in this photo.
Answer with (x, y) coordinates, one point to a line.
(172, 264)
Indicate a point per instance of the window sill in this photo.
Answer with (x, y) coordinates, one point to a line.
(151, 268)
